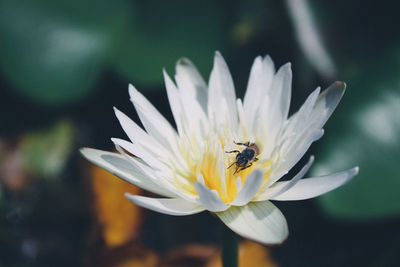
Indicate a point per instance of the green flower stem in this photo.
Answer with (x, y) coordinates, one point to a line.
(229, 247)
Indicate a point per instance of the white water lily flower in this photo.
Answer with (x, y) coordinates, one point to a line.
(191, 168)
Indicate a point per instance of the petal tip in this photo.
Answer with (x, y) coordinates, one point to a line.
(132, 91)
(356, 170)
(267, 57)
(337, 88)
(340, 84)
(219, 59)
(118, 113)
(183, 61)
(83, 151)
(167, 79)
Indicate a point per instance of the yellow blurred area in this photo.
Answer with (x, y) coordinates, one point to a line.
(250, 254)
(120, 220)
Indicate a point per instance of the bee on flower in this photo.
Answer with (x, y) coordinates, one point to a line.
(226, 156)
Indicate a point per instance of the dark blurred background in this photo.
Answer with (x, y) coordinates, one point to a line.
(64, 64)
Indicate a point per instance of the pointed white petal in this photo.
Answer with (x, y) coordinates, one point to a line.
(281, 90)
(170, 206)
(281, 187)
(175, 103)
(258, 221)
(163, 178)
(221, 77)
(132, 130)
(154, 123)
(313, 187)
(194, 121)
(326, 104)
(310, 130)
(137, 135)
(299, 119)
(222, 97)
(273, 110)
(294, 150)
(121, 167)
(250, 188)
(259, 86)
(189, 79)
(139, 152)
(209, 198)
(195, 115)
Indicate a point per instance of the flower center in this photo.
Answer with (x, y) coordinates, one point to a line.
(225, 172)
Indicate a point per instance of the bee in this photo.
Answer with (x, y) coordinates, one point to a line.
(246, 157)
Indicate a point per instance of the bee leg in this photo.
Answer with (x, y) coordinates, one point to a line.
(231, 165)
(237, 170)
(255, 159)
(233, 151)
(246, 166)
(242, 144)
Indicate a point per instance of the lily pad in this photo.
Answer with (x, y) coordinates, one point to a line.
(52, 51)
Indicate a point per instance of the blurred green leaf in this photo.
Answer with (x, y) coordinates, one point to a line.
(45, 153)
(52, 51)
(164, 31)
(365, 131)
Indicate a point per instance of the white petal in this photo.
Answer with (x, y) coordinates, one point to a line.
(154, 123)
(137, 135)
(175, 103)
(294, 150)
(310, 130)
(313, 187)
(259, 85)
(189, 79)
(170, 206)
(326, 104)
(250, 188)
(222, 97)
(121, 167)
(163, 178)
(281, 89)
(299, 119)
(274, 109)
(193, 116)
(306, 121)
(196, 116)
(132, 130)
(286, 91)
(238, 184)
(258, 221)
(281, 187)
(139, 152)
(209, 198)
